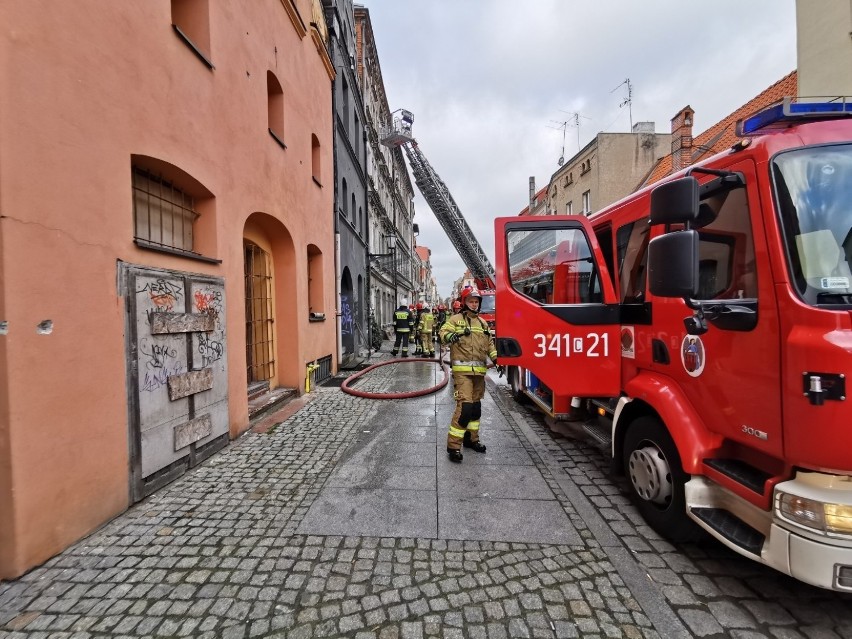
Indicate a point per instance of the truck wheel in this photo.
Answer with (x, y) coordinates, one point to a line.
(657, 479)
(515, 384)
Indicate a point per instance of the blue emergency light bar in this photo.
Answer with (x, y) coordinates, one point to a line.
(781, 115)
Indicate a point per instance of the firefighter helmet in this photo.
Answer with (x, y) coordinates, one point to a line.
(419, 306)
(441, 307)
(456, 306)
(469, 294)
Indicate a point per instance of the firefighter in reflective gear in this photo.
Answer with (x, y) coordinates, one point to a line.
(440, 318)
(424, 327)
(412, 324)
(402, 327)
(471, 344)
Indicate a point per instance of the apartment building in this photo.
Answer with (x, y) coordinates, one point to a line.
(166, 244)
(393, 274)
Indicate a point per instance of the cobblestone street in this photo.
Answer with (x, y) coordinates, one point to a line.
(347, 520)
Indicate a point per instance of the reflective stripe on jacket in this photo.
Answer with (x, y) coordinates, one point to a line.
(401, 321)
(468, 354)
(476, 366)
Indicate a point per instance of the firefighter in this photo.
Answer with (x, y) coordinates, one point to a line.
(402, 328)
(471, 344)
(424, 327)
(440, 318)
(412, 323)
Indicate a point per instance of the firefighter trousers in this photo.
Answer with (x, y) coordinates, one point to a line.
(469, 390)
(427, 344)
(401, 338)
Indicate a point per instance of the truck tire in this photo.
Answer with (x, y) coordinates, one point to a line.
(657, 479)
(514, 375)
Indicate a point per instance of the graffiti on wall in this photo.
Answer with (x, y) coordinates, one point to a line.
(164, 294)
(159, 361)
(158, 357)
(211, 346)
(347, 321)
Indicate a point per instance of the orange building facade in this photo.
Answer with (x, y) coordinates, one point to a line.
(166, 243)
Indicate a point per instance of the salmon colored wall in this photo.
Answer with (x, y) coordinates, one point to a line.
(85, 86)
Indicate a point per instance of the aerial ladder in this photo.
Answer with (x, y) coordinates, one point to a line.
(439, 199)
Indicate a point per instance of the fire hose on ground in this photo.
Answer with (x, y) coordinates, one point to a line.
(401, 394)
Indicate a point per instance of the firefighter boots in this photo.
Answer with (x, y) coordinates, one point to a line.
(479, 447)
(455, 455)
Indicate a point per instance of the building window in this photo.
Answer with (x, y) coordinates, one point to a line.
(587, 202)
(353, 209)
(316, 307)
(344, 201)
(275, 108)
(191, 21)
(356, 138)
(345, 113)
(315, 160)
(163, 214)
(260, 336)
(569, 208)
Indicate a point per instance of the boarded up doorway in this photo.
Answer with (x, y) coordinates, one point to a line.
(178, 376)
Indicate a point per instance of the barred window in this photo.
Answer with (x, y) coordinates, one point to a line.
(163, 215)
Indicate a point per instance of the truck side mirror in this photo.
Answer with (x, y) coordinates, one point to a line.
(675, 202)
(673, 264)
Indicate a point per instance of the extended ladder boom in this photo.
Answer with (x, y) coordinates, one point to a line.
(438, 197)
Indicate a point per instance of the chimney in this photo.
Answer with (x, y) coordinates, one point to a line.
(532, 193)
(682, 139)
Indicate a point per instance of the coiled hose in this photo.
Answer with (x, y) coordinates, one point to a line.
(398, 395)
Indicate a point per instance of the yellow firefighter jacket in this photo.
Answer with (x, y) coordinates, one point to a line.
(427, 320)
(468, 354)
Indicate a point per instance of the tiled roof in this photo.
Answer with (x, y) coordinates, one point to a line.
(540, 197)
(722, 135)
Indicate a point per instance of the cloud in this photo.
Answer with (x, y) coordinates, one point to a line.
(488, 80)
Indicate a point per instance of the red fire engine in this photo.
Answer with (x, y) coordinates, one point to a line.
(705, 325)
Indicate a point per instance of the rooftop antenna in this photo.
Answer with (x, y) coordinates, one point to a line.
(628, 100)
(564, 127)
(576, 124)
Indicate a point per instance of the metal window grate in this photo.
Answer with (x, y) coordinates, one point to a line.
(260, 341)
(162, 214)
(324, 371)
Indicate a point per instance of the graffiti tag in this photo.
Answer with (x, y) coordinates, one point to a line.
(163, 294)
(210, 350)
(157, 354)
(160, 377)
(347, 322)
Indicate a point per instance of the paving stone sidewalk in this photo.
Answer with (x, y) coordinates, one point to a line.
(240, 546)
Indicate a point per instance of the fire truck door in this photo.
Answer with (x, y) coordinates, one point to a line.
(557, 312)
(731, 373)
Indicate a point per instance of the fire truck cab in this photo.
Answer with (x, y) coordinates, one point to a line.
(705, 325)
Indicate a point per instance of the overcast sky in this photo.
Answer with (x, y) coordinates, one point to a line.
(487, 79)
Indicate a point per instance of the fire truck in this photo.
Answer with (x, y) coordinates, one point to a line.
(446, 211)
(704, 326)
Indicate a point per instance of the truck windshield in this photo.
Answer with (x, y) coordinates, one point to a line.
(814, 193)
(487, 305)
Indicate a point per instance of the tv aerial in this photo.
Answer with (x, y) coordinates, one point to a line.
(563, 125)
(628, 101)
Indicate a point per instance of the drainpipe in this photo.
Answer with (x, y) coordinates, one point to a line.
(338, 314)
(335, 214)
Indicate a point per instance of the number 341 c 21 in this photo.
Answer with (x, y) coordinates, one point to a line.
(592, 345)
